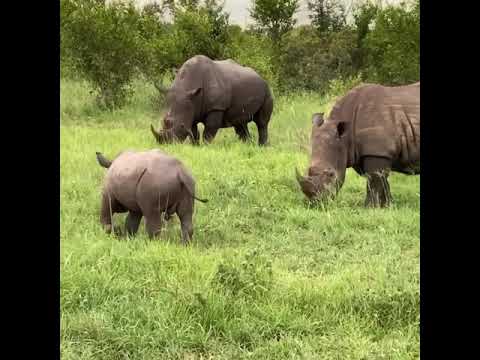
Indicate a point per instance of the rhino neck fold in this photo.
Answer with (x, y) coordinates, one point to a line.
(352, 154)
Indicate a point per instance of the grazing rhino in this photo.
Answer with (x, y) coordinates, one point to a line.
(219, 94)
(148, 184)
(373, 129)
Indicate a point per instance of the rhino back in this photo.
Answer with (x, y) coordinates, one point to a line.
(248, 91)
(122, 177)
(161, 186)
(189, 75)
(201, 72)
(385, 122)
(227, 85)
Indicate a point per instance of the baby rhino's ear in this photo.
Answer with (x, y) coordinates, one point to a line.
(317, 119)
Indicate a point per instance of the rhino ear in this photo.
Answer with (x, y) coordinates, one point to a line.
(317, 119)
(194, 92)
(342, 128)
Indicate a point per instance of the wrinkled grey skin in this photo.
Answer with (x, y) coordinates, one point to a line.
(374, 129)
(147, 184)
(218, 94)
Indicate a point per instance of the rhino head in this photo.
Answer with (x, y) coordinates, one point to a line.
(182, 109)
(326, 173)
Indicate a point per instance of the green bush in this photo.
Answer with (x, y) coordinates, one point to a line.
(274, 17)
(255, 51)
(327, 15)
(158, 51)
(200, 30)
(102, 44)
(309, 62)
(110, 45)
(393, 46)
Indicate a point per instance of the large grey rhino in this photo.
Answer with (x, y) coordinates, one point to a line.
(219, 94)
(147, 183)
(373, 129)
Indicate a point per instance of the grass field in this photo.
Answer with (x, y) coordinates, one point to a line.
(266, 276)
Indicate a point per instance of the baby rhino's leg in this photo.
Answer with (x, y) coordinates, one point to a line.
(107, 209)
(153, 223)
(132, 222)
(185, 213)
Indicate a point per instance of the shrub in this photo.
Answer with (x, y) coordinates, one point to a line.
(255, 51)
(393, 46)
(159, 53)
(200, 29)
(274, 17)
(327, 15)
(102, 43)
(308, 61)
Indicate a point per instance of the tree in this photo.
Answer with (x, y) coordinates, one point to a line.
(274, 17)
(310, 62)
(158, 49)
(201, 29)
(327, 15)
(102, 42)
(363, 16)
(393, 45)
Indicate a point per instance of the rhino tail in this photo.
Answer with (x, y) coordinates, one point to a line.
(103, 161)
(188, 183)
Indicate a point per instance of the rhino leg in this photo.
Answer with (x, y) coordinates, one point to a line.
(261, 119)
(185, 214)
(262, 134)
(132, 222)
(108, 207)
(242, 132)
(196, 135)
(153, 223)
(378, 189)
(212, 124)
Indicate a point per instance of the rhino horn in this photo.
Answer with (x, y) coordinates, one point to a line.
(306, 184)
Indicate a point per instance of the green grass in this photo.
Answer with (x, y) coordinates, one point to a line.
(266, 277)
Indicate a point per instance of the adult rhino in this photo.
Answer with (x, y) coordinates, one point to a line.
(373, 129)
(219, 94)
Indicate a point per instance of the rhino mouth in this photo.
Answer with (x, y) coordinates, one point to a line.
(168, 136)
(162, 136)
(315, 189)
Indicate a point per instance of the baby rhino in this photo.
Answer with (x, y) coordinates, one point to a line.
(147, 183)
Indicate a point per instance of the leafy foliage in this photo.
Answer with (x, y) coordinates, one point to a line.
(310, 62)
(327, 15)
(393, 46)
(274, 17)
(102, 43)
(111, 44)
